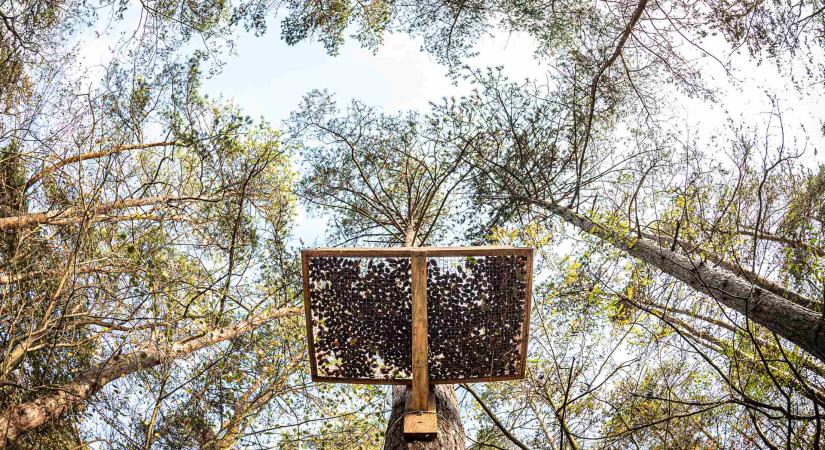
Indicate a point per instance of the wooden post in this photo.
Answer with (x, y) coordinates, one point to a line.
(420, 377)
(421, 420)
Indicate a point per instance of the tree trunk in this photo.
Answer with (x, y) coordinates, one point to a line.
(30, 415)
(795, 323)
(781, 291)
(450, 431)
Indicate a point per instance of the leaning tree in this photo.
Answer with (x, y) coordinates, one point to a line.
(103, 246)
(734, 235)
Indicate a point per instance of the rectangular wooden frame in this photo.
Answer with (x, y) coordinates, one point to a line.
(400, 252)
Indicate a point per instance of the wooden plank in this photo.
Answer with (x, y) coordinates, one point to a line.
(420, 382)
(408, 381)
(384, 381)
(308, 316)
(525, 332)
(476, 251)
(395, 252)
(422, 424)
(359, 252)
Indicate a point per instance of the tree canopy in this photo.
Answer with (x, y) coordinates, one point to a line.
(150, 288)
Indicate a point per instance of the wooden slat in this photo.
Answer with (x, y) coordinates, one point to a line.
(420, 382)
(395, 252)
(308, 315)
(359, 252)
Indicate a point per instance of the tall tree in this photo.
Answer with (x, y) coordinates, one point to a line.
(720, 239)
(107, 273)
(390, 180)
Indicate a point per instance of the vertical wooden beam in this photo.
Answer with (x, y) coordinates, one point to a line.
(420, 377)
(313, 364)
(421, 420)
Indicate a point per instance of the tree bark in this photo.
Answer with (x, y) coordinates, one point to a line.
(28, 416)
(450, 431)
(74, 214)
(781, 291)
(91, 155)
(795, 323)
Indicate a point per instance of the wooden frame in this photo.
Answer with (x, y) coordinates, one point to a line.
(414, 253)
(394, 252)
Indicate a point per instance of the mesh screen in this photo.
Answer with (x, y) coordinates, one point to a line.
(360, 314)
(476, 310)
(361, 317)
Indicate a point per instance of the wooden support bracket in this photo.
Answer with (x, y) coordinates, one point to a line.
(421, 419)
(421, 424)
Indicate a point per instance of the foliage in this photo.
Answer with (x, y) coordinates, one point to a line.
(136, 211)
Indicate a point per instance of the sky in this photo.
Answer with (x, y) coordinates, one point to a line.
(268, 78)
